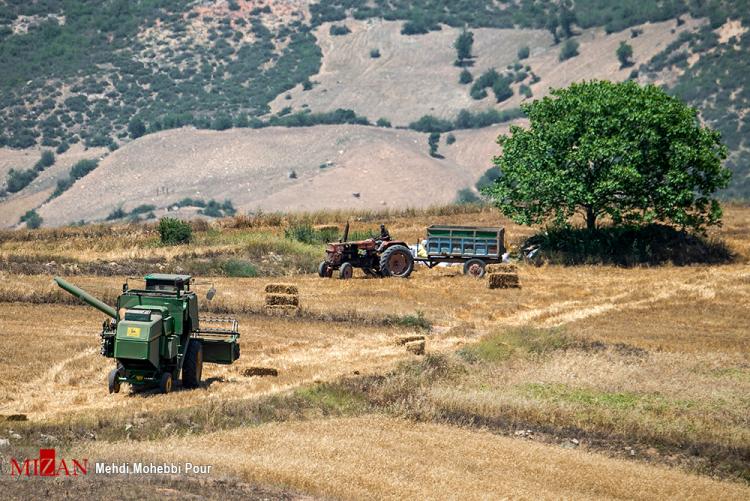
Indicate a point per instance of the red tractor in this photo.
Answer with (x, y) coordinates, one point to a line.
(377, 256)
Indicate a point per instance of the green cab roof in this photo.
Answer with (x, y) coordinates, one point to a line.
(167, 277)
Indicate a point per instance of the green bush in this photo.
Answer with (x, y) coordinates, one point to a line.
(174, 232)
(337, 30)
(465, 77)
(305, 233)
(429, 123)
(374, 53)
(467, 196)
(450, 139)
(501, 89)
(32, 219)
(434, 141)
(136, 128)
(117, 213)
(624, 52)
(569, 49)
(47, 160)
(383, 122)
(239, 268)
(62, 147)
(523, 52)
(20, 179)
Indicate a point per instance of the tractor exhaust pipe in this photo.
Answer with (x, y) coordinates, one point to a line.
(345, 238)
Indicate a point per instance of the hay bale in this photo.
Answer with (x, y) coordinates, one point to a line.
(281, 289)
(281, 309)
(260, 371)
(408, 339)
(503, 281)
(501, 268)
(416, 347)
(282, 300)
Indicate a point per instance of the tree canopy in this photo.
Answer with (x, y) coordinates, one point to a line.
(463, 45)
(632, 153)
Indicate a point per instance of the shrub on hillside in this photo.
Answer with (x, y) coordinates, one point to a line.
(174, 232)
(523, 52)
(339, 30)
(32, 219)
(383, 122)
(569, 49)
(465, 77)
(20, 179)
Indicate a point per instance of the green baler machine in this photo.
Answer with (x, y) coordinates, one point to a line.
(155, 333)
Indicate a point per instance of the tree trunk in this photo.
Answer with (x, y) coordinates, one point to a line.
(590, 219)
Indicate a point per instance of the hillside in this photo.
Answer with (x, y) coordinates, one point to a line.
(386, 86)
(84, 79)
(346, 166)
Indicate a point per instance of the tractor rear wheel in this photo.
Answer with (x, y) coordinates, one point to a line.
(346, 271)
(396, 261)
(474, 268)
(192, 368)
(113, 381)
(165, 385)
(325, 270)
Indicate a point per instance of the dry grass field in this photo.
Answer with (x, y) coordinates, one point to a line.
(587, 382)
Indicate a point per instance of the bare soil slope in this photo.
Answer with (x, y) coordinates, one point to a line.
(415, 75)
(33, 195)
(343, 166)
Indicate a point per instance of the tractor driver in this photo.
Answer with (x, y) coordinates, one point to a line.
(384, 235)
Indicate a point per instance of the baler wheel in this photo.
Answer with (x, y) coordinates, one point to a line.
(165, 385)
(193, 366)
(113, 381)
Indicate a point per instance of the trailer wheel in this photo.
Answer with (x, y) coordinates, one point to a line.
(474, 268)
(396, 261)
(113, 381)
(346, 271)
(325, 270)
(165, 385)
(192, 368)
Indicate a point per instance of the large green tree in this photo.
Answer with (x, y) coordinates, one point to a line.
(632, 153)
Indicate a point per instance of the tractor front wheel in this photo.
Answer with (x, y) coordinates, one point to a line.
(113, 381)
(396, 261)
(474, 268)
(192, 368)
(325, 270)
(165, 385)
(346, 271)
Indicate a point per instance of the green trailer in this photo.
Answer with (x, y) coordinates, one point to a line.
(475, 247)
(155, 333)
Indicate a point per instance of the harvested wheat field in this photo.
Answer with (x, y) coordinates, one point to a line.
(589, 381)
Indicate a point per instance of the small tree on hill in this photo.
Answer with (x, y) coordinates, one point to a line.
(32, 219)
(624, 53)
(632, 153)
(434, 141)
(463, 45)
(136, 128)
(569, 49)
(465, 77)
